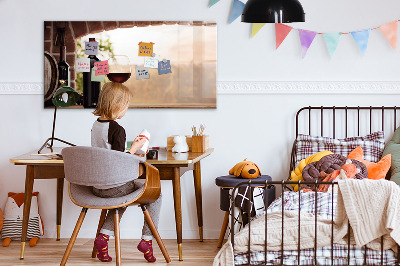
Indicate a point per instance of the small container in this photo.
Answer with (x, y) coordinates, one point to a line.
(144, 134)
(152, 155)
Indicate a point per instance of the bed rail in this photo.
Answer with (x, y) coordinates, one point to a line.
(265, 185)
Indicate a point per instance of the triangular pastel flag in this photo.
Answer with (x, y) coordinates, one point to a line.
(332, 41)
(213, 2)
(361, 37)
(390, 32)
(237, 9)
(255, 28)
(281, 31)
(306, 39)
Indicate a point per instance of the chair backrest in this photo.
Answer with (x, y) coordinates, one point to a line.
(92, 166)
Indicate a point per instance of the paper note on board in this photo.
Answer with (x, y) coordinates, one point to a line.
(142, 72)
(91, 48)
(145, 48)
(98, 78)
(164, 67)
(102, 67)
(82, 65)
(151, 62)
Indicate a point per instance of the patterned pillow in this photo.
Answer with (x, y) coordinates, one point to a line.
(372, 145)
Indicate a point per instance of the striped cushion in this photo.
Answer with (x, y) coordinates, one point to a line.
(372, 145)
(13, 228)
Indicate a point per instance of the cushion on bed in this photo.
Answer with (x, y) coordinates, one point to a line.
(328, 164)
(393, 148)
(375, 170)
(372, 144)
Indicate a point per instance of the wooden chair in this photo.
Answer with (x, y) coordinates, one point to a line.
(85, 167)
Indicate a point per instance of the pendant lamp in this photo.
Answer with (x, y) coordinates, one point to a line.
(272, 11)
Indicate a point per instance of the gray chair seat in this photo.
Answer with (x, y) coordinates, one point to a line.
(83, 196)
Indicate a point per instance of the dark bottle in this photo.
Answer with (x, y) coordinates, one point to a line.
(91, 89)
(63, 67)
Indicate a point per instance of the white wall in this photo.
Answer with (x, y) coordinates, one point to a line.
(259, 127)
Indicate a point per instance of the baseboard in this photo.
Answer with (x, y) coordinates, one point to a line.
(259, 87)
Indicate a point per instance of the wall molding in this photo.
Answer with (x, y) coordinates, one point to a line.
(260, 87)
(309, 87)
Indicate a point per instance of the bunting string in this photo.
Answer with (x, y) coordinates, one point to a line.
(361, 37)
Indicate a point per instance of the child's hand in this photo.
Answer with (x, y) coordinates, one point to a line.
(137, 144)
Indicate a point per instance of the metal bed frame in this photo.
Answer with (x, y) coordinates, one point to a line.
(284, 184)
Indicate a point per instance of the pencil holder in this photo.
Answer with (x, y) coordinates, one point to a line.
(200, 143)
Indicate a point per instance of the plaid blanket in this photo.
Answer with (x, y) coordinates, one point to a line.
(322, 204)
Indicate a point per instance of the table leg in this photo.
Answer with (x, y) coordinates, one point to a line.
(176, 183)
(60, 190)
(27, 206)
(199, 204)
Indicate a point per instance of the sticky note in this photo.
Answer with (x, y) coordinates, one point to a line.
(142, 72)
(98, 78)
(82, 65)
(145, 48)
(102, 68)
(164, 67)
(91, 48)
(151, 62)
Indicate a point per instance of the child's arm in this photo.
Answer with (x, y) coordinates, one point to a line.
(136, 145)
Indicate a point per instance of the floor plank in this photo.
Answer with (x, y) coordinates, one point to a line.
(49, 252)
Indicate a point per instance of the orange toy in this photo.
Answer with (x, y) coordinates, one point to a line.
(245, 169)
(375, 170)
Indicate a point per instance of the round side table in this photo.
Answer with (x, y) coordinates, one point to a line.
(228, 182)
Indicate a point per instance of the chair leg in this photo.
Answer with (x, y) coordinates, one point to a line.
(101, 222)
(223, 229)
(117, 239)
(154, 230)
(73, 237)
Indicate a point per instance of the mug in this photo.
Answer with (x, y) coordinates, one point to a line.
(152, 155)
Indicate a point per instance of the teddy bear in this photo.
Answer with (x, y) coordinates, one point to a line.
(13, 215)
(245, 169)
(180, 144)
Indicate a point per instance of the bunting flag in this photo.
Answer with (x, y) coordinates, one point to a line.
(389, 30)
(306, 39)
(332, 41)
(213, 2)
(281, 31)
(255, 28)
(361, 37)
(237, 9)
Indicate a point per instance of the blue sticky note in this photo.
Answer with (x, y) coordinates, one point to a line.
(164, 68)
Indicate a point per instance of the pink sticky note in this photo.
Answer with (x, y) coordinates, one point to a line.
(102, 68)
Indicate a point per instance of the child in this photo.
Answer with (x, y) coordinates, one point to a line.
(107, 133)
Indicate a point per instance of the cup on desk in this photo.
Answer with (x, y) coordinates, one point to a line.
(152, 155)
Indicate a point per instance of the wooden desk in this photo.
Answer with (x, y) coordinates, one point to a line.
(171, 167)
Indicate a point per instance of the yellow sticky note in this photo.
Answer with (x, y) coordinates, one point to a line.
(98, 78)
(145, 48)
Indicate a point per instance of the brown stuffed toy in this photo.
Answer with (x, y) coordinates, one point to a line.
(245, 169)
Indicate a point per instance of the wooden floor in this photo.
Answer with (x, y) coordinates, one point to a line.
(50, 252)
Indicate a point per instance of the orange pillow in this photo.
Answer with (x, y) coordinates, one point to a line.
(375, 170)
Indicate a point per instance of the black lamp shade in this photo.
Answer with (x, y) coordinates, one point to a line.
(65, 96)
(273, 11)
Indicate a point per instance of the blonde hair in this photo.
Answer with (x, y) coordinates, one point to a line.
(113, 98)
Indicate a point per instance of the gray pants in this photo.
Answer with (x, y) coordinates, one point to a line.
(153, 208)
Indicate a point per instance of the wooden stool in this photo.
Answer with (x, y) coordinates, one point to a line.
(226, 183)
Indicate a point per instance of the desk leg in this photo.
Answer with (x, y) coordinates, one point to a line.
(60, 190)
(27, 206)
(176, 182)
(199, 204)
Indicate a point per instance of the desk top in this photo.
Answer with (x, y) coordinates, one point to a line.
(164, 157)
